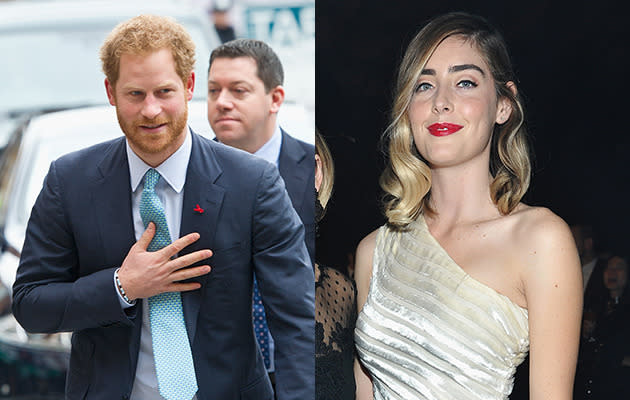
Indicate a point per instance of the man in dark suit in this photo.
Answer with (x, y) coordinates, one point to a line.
(97, 259)
(245, 93)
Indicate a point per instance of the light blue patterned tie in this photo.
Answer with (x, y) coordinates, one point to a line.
(171, 347)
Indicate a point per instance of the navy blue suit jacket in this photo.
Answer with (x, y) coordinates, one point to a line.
(81, 229)
(297, 168)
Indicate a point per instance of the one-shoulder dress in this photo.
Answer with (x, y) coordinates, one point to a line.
(430, 331)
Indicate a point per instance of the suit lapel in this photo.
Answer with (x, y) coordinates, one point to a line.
(200, 193)
(111, 197)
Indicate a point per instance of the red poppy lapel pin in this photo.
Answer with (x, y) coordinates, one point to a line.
(198, 209)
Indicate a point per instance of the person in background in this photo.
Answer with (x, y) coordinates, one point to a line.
(220, 14)
(604, 364)
(335, 303)
(245, 94)
(585, 243)
(464, 278)
(593, 266)
(122, 235)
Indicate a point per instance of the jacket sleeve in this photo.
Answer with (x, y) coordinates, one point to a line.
(287, 285)
(50, 294)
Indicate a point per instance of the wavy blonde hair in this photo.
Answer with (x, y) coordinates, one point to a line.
(145, 34)
(328, 169)
(406, 179)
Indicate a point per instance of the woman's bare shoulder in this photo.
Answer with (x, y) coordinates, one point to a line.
(540, 226)
(546, 245)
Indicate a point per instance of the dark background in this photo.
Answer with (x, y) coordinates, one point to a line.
(571, 62)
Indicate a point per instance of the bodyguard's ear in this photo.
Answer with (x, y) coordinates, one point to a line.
(277, 98)
(504, 110)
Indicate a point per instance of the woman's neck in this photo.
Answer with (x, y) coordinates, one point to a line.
(462, 194)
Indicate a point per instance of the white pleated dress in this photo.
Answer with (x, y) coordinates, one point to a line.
(430, 331)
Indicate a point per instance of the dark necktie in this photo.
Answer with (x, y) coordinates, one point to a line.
(260, 325)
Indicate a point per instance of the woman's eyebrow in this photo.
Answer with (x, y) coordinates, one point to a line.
(455, 68)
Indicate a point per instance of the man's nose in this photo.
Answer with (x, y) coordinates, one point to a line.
(224, 100)
(151, 107)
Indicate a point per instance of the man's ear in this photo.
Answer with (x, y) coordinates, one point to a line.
(110, 92)
(190, 85)
(277, 98)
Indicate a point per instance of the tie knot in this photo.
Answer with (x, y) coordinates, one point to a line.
(151, 179)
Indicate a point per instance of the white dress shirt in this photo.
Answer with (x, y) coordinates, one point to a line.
(169, 189)
(270, 151)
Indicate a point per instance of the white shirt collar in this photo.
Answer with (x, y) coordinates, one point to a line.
(270, 151)
(173, 169)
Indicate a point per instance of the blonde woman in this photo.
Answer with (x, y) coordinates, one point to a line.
(335, 303)
(464, 279)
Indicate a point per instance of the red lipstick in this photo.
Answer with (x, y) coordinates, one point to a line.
(443, 128)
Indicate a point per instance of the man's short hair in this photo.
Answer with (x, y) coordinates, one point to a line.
(145, 34)
(268, 65)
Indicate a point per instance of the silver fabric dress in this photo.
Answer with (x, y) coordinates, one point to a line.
(430, 331)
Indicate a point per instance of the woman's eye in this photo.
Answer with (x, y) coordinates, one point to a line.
(423, 87)
(466, 84)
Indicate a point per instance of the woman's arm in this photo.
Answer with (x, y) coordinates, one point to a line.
(363, 382)
(363, 275)
(552, 282)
